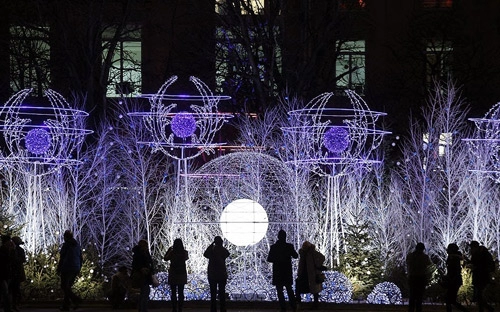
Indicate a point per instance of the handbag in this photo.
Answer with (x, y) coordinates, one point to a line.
(155, 282)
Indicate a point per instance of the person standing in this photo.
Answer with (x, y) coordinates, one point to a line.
(6, 259)
(310, 268)
(453, 277)
(18, 273)
(217, 273)
(280, 255)
(142, 272)
(482, 267)
(120, 285)
(177, 273)
(419, 267)
(68, 268)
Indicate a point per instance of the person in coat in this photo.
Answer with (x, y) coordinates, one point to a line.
(453, 277)
(6, 259)
(309, 272)
(68, 268)
(120, 286)
(482, 266)
(419, 266)
(177, 273)
(217, 273)
(142, 273)
(18, 273)
(280, 255)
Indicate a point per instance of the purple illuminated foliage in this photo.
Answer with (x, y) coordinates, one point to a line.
(183, 124)
(38, 141)
(337, 139)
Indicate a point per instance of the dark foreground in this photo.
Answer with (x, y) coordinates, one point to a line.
(193, 306)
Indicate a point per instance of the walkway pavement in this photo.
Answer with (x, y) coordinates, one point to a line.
(191, 306)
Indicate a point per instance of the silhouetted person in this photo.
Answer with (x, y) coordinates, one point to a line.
(142, 272)
(280, 255)
(482, 267)
(310, 267)
(177, 273)
(419, 267)
(18, 273)
(120, 285)
(217, 273)
(453, 277)
(6, 258)
(68, 268)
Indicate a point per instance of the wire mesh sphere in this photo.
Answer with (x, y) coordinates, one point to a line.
(40, 138)
(336, 139)
(183, 124)
(385, 293)
(337, 288)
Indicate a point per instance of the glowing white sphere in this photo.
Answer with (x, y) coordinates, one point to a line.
(244, 222)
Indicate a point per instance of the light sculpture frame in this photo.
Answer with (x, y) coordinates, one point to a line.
(57, 127)
(338, 141)
(485, 145)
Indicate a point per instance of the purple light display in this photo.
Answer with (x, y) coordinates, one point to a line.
(336, 139)
(183, 124)
(38, 141)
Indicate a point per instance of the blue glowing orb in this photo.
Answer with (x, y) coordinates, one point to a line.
(38, 141)
(336, 139)
(183, 124)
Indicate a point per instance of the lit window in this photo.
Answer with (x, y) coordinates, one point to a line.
(437, 3)
(125, 76)
(439, 57)
(232, 63)
(352, 4)
(29, 59)
(245, 6)
(350, 66)
(445, 139)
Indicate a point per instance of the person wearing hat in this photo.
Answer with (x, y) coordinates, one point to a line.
(217, 273)
(482, 266)
(419, 267)
(18, 273)
(453, 277)
(280, 255)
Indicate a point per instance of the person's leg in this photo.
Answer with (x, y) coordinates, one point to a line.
(4, 292)
(66, 289)
(181, 297)
(222, 296)
(419, 297)
(144, 298)
(281, 297)
(213, 296)
(411, 299)
(173, 297)
(316, 301)
(291, 297)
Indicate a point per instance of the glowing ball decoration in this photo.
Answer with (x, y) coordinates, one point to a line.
(244, 222)
(38, 141)
(336, 139)
(183, 124)
(385, 293)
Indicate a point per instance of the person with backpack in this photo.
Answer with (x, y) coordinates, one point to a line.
(482, 266)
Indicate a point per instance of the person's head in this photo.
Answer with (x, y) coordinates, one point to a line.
(452, 248)
(474, 245)
(420, 247)
(218, 241)
(67, 235)
(143, 244)
(282, 235)
(123, 269)
(17, 240)
(178, 245)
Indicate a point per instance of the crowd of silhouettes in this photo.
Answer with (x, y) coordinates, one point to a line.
(310, 276)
